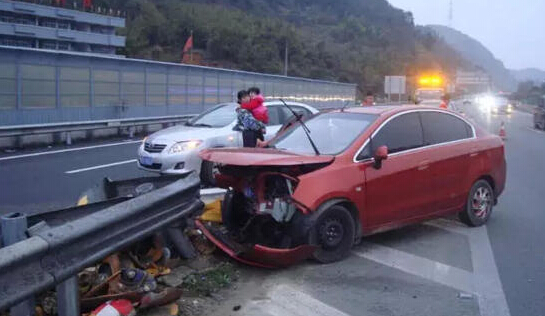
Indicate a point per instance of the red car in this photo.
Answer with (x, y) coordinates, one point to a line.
(357, 172)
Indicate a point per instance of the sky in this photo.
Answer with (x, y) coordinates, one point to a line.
(513, 30)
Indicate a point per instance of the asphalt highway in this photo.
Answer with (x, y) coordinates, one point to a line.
(504, 263)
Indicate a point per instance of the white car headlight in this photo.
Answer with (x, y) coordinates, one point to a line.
(184, 146)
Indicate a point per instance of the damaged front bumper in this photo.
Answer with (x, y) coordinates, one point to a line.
(255, 254)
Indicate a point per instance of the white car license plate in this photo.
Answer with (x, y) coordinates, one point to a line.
(146, 161)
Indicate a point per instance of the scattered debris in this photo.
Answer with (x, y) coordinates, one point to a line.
(176, 277)
(164, 297)
(115, 308)
(167, 310)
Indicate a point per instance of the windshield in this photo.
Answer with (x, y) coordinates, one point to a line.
(331, 132)
(219, 116)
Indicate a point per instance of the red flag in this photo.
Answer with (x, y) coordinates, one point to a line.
(188, 44)
(87, 4)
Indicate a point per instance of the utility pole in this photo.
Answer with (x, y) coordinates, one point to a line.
(286, 59)
(450, 14)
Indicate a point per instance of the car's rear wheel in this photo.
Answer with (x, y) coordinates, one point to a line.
(333, 232)
(479, 204)
(209, 170)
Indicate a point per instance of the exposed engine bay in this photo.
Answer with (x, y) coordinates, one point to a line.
(259, 208)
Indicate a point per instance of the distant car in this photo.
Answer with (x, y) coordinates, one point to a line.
(496, 105)
(175, 150)
(539, 115)
(357, 172)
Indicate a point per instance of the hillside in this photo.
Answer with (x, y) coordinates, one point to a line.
(345, 40)
(529, 74)
(472, 50)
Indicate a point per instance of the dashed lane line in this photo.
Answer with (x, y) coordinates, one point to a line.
(67, 150)
(101, 166)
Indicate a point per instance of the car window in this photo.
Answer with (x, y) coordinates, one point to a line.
(219, 116)
(274, 116)
(288, 115)
(441, 128)
(401, 133)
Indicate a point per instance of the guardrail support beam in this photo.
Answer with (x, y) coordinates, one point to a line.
(14, 226)
(68, 297)
(68, 138)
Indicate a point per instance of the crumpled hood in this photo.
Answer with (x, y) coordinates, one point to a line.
(261, 157)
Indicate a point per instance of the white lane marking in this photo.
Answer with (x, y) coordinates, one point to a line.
(101, 166)
(524, 113)
(68, 150)
(535, 130)
(284, 300)
(492, 301)
(449, 225)
(415, 265)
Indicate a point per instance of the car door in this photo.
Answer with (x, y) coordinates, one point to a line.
(399, 190)
(448, 150)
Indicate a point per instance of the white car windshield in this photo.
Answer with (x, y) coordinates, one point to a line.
(331, 132)
(219, 116)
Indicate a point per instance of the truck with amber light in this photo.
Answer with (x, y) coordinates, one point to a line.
(430, 89)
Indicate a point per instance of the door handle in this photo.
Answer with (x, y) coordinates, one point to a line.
(423, 165)
(473, 152)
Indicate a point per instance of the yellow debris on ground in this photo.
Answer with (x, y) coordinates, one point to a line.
(83, 201)
(212, 212)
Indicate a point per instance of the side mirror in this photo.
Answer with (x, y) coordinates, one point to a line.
(380, 154)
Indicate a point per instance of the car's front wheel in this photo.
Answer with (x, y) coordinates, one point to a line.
(333, 232)
(209, 170)
(479, 204)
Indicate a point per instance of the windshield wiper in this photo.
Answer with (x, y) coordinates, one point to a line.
(346, 103)
(298, 118)
(201, 125)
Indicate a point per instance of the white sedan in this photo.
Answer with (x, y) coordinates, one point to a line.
(174, 150)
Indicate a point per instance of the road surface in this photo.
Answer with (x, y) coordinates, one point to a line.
(437, 268)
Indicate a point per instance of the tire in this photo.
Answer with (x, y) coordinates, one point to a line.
(334, 220)
(232, 216)
(207, 173)
(480, 202)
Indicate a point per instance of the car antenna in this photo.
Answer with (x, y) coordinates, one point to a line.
(305, 127)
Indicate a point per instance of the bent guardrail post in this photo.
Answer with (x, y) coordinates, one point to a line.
(14, 226)
(55, 254)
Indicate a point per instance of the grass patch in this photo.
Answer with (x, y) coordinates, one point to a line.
(210, 280)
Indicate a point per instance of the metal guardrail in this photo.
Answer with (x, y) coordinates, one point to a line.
(55, 254)
(37, 129)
